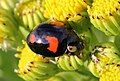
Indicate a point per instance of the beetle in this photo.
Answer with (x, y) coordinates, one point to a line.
(54, 39)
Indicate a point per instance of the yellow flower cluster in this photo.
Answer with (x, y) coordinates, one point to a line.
(101, 14)
(103, 9)
(104, 15)
(27, 57)
(8, 29)
(34, 67)
(110, 72)
(30, 12)
(64, 10)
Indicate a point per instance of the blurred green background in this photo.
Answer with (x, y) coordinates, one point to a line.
(8, 63)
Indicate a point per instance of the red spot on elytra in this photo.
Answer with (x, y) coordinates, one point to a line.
(53, 43)
(32, 38)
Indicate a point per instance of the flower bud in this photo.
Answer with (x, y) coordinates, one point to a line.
(30, 13)
(102, 54)
(34, 67)
(104, 15)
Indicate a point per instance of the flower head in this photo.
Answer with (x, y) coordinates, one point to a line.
(102, 54)
(104, 15)
(33, 66)
(30, 13)
(69, 62)
(9, 32)
(110, 72)
(63, 10)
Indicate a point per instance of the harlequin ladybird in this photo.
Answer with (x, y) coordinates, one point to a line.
(53, 39)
